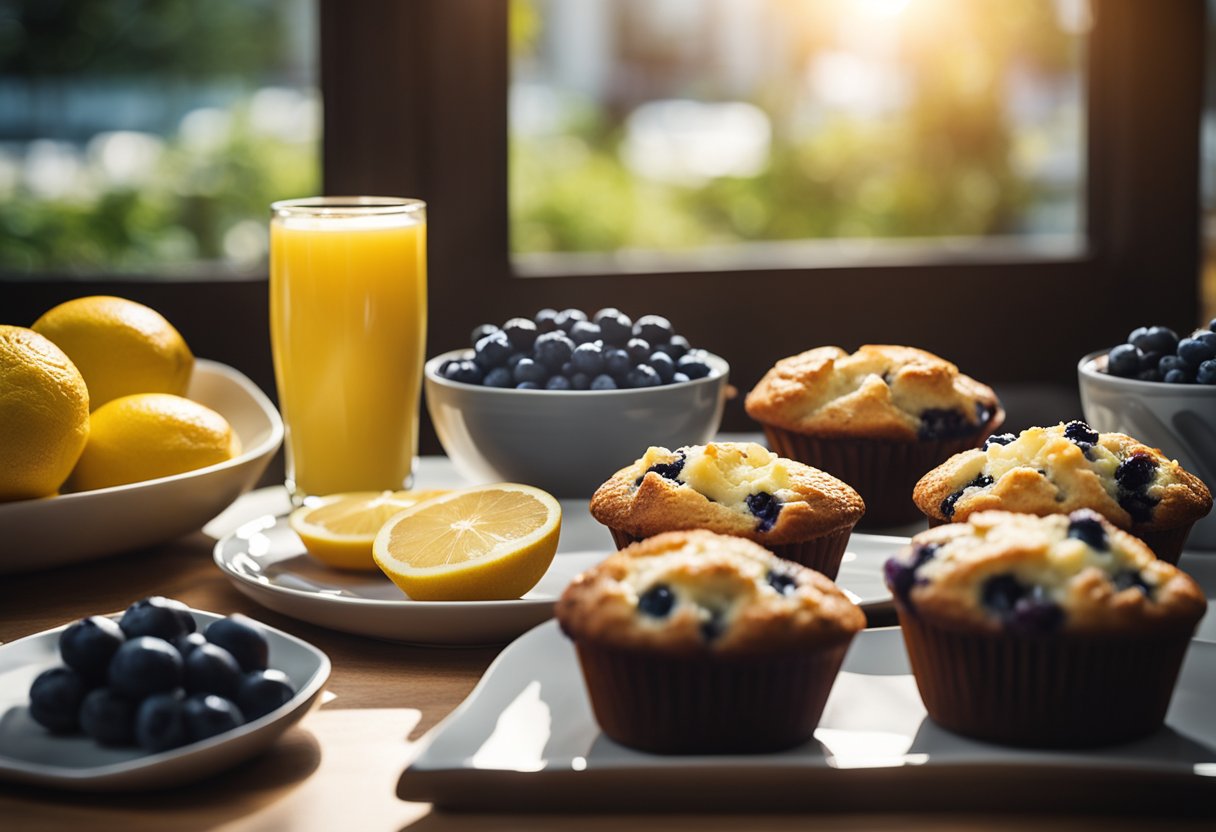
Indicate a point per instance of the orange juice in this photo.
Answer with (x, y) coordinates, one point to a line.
(348, 331)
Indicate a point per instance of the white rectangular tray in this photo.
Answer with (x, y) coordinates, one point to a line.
(525, 738)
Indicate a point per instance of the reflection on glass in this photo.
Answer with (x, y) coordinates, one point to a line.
(682, 124)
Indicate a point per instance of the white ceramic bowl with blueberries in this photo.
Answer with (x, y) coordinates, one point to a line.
(561, 401)
(1160, 389)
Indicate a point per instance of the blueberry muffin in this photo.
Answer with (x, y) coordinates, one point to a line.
(1059, 469)
(877, 419)
(736, 488)
(1059, 630)
(694, 642)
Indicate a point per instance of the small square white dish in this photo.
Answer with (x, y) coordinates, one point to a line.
(31, 754)
(525, 738)
(69, 528)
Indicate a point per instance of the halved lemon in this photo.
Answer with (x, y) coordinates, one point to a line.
(487, 543)
(338, 530)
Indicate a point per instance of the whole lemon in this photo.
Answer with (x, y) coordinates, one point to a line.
(120, 347)
(150, 435)
(44, 414)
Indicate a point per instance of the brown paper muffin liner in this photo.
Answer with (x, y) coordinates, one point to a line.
(883, 472)
(1166, 543)
(823, 554)
(709, 704)
(1051, 691)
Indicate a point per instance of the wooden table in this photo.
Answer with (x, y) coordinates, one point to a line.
(339, 768)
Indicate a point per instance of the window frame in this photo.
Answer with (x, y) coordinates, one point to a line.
(415, 103)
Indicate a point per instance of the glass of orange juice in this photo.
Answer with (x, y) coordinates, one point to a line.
(347, 332)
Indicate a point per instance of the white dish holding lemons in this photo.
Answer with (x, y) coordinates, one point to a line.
(54, 531)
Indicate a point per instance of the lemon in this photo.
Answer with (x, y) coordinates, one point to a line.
(477, 544)
(44, 414)
(150, 435)
(120, 347)
(338, 530)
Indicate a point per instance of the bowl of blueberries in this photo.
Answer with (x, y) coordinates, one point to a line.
(1161, 389)
(562, 400)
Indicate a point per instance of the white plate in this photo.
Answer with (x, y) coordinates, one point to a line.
(266, 561)
(40, 534)
(526, 738)
(30, 754)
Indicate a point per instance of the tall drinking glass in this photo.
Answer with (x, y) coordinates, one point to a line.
(348, 331)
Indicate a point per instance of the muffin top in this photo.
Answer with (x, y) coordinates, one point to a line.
(1023, 574)
(879, 392)
(1058, 469)
(694, 592)
(737, 488)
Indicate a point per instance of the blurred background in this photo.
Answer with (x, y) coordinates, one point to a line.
(142, 140)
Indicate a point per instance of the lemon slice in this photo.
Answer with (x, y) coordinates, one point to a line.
(339, 529)
(487, 543)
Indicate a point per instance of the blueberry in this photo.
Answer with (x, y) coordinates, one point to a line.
(666, 470)
(446, 366)
(676, 347)
(638, 349)
(642, 375)
(1148, 375)
(1080, 433)
(588, 358)
(693, 366)
(499, 377)
(1128, 578)
(145, 665)
(1137, 334)
(212, 669)
(615, 326)
(527, 385)
(947, 506)
(529, 370)
(521, 332)
(663, 364)
(654, 328)
(1151, 361)
(88, 645)
(160, 723)
(1212, 324)
(1195, 351)
(938, 423)
(616, 362)
(481, 332)
(1123, 360)
(244, 638)
(464, 371)
(1087, 528)
(55, 698)
(585, 332)
(1206, 373)
(1136, 472)
(263, 691)
(156, 616)
(999, 439)
(108, 717)
(603, 382)
(713, 627)
(567, 369)
(679, 378)
(1177, 377)
(514, 358)
(784, 583)
(765, 507)
(553, 349)
(1035, 616)
(187, 644)
(567, 318)
(493, 350)
(1139, 506)
(657, 601)
(1001, 593)
(1172, 362)
(1155, 339)
(558, 383)
(580, 381)
(207, 716)
(901, 576)
(546, 320)
(1206, 337)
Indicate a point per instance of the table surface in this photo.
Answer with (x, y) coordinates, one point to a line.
(339, 767)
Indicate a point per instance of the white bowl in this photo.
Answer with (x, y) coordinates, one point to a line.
(53, 531)
(567, 441)
(1180, 419)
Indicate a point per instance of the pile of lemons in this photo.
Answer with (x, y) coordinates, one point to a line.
(93, 395)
